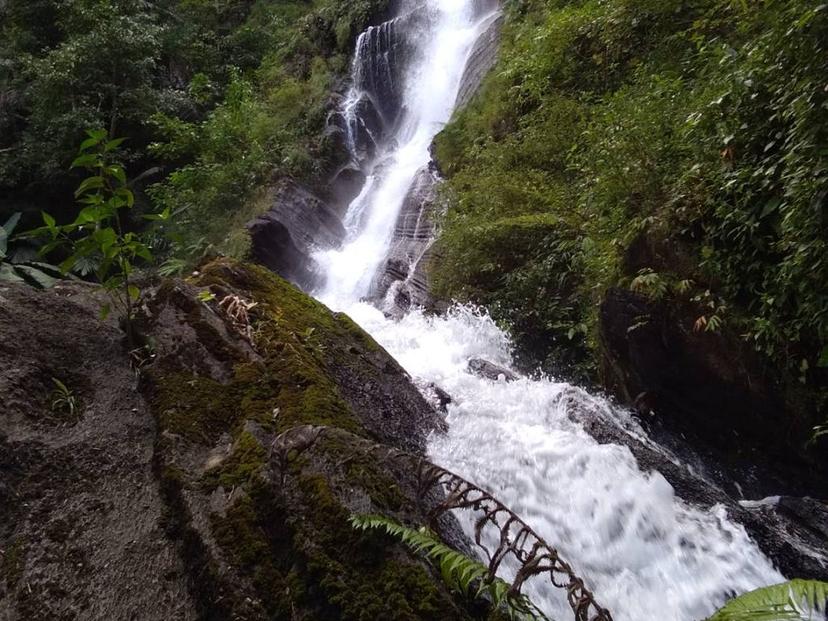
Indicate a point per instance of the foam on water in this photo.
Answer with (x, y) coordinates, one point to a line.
(647, 555)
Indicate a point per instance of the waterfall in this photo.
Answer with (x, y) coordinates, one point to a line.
(398, 102)
(646, 554)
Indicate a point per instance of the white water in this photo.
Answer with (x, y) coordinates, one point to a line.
(647, 555)
(429, 95)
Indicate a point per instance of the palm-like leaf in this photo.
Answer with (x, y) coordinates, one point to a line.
(36, 276)
(9, 274)
(797, 600)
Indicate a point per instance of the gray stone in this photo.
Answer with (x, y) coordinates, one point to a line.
(482, 59)
(298, 222)
(403, 279)
(490, 370)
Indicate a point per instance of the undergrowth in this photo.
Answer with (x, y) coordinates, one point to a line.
(678, 148)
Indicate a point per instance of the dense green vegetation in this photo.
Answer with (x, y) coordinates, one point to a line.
(675, 147)
(216, 97)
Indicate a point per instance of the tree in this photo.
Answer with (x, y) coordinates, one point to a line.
(99, 75)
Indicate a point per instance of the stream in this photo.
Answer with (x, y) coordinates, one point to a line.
(645, 553)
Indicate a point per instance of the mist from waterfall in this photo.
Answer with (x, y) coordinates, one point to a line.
(646, 554)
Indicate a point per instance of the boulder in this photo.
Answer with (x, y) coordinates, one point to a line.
(439, 397)
(492, 371)
(217, 483)
(82, 511)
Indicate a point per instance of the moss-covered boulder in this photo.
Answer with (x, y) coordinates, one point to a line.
(210, 473)
(240, 361)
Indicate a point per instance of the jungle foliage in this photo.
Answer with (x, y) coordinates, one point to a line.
(215, 96)
(675, 147)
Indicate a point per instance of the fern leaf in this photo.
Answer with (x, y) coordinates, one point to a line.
(459, 572)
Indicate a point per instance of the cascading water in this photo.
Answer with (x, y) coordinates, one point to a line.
(646, 554)
(431, 66)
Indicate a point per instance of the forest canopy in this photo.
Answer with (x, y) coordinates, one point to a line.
(214, 97)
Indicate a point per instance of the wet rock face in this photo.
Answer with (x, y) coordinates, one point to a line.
(298, 222)
(705, 398)
(790, 531)
(375, 101)
(483, 55)
(204, 492)
(703, 384)
(362, 118)
(402, 281)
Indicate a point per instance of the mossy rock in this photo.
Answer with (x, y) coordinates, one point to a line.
(299, 364)
(240, 358)
(299, 552)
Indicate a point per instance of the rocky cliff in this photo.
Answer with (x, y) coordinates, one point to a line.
(169, 485)
(361, 120)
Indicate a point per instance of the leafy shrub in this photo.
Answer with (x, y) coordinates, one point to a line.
(98, 235)
(697, 128)
(217, 98)
(19, 264)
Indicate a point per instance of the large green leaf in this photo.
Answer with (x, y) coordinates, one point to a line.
(797, 600)
(6, 231)
(11, 223)
(47, 268)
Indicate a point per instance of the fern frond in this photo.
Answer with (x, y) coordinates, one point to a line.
(797, 600)
(459, 572)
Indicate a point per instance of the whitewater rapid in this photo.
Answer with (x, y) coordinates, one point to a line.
(646, 554)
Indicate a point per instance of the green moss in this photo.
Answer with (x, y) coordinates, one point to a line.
(355, 572)
(13, 562)
(311, 558)
(298, 339)
(292, 541)
(244, 463)
(300, 342)
(352, 328)
(365, 472)
(195, 407)
(240, 534)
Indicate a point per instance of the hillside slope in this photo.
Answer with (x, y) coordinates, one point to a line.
(639, 194)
